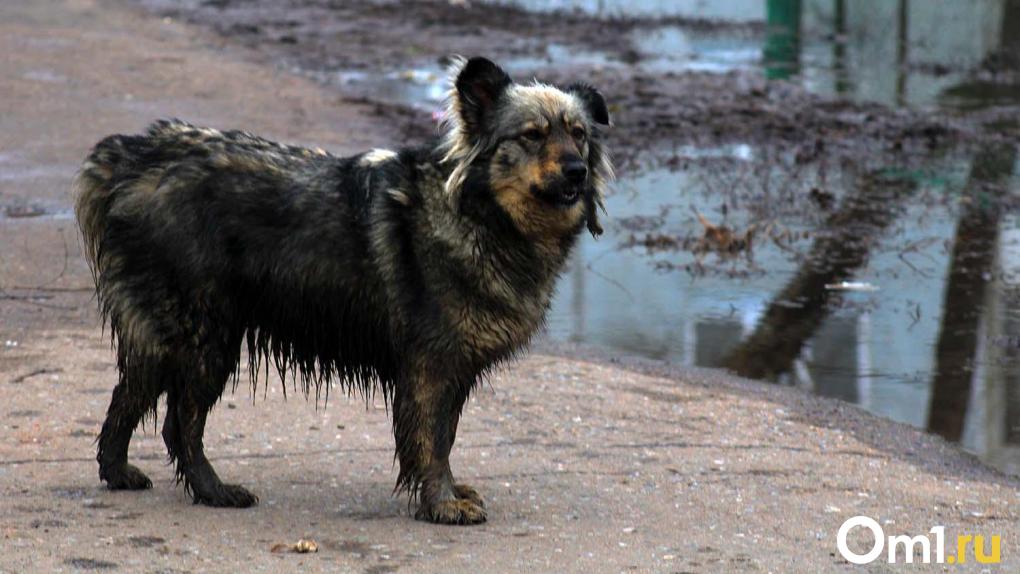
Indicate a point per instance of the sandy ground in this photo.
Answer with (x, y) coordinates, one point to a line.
(589, 463)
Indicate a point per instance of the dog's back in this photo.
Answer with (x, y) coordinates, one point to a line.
(184, 216)
(125, 172)
(197, 238)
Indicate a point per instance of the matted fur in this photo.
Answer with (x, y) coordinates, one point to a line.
(401, 271)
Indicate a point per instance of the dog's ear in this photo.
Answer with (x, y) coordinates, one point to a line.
(593, 102)
(479, 85)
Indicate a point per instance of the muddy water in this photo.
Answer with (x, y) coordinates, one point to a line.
(900, 293)
(15, 170)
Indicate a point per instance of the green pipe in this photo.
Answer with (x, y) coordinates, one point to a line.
(782, 42)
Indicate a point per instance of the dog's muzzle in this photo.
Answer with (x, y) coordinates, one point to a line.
(575, 173)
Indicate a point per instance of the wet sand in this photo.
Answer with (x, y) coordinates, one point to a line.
(589, 462)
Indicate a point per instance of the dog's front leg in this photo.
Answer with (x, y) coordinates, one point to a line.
(426, 409)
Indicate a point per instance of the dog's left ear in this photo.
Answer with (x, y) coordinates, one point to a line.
(479, 85)
(593, 101)
(602, 169)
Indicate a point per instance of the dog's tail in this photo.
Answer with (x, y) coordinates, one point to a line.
(113, 162)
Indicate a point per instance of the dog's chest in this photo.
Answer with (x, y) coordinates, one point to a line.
(489, 331)
(508, 317)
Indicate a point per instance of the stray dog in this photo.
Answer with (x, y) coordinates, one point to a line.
(413, 271)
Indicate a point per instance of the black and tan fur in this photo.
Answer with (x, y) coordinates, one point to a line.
(413, 272)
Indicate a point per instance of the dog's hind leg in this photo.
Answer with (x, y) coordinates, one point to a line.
(134, 395)
(188, 406)
(426, 411)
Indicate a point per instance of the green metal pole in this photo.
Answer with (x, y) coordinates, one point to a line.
(782, 43)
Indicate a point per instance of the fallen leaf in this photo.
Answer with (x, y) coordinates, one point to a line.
(300, 547)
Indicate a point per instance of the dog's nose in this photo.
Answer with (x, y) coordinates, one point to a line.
(575, 171)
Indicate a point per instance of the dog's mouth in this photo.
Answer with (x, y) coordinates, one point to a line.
(571, 195)
(560, 196)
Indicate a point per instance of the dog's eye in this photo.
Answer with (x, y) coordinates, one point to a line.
(578, 133)
(533, 134)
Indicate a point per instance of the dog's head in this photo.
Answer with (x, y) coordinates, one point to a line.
(538, 148)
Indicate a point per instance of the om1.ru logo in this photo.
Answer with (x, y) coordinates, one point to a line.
(910, 545)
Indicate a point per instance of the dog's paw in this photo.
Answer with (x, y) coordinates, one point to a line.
(228, 496)
(465, 492)
(457, 511)
(125, 477)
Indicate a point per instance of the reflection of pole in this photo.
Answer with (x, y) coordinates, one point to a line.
(797, 311)
(902, 40)
(577, 304)
(1010, 35)
(782, 44)
(1010, 378)
(969, 267)
(839, 49)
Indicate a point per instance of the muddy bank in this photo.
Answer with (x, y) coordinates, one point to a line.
(363, 34)
(655, 106)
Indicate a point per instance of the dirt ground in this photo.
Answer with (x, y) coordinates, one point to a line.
(589, 462)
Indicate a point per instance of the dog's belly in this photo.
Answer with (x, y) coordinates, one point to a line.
(338, 330)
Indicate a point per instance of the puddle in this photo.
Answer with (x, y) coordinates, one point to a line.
(900, 53)
(831, 48)
(651, 286)
(661, 50)
(895, 53)
(422, 88)
(731, 11)
(674, 49)
(14, 170)
(20, 210)
(426, 87)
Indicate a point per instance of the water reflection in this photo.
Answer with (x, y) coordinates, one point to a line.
(937, 345)
(935, 53)
(798, 310)
(895, 52)
(730, 10)
(903, 53)
(967, 290)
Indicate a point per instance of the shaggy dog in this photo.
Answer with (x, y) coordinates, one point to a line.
(412, 271)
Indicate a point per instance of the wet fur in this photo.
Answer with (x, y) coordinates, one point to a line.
(412, 272)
